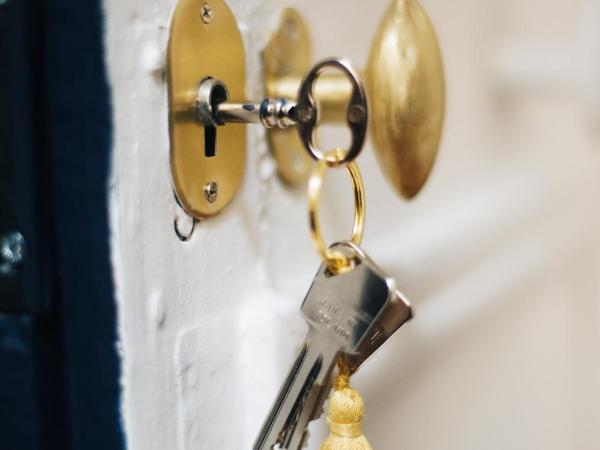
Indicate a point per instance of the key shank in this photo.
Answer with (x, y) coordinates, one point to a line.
(299, 398)
(213, 108)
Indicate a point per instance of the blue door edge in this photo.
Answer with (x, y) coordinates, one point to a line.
(60, 383)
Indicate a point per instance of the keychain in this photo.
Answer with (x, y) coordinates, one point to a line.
(351, 307)
(346, 406)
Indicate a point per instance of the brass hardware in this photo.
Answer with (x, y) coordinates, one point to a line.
(405, 83)
(207, 13)
(201, 34)
(287, 56)
(207, 76)
(211, 191)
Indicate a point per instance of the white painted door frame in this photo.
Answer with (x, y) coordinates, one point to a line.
(499, 254)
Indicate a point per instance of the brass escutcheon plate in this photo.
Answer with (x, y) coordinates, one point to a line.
(286, 58)
(204, 42)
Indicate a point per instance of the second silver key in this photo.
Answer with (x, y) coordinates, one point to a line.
(352, 313)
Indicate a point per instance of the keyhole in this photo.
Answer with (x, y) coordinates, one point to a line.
(210, 141)
(217, 96)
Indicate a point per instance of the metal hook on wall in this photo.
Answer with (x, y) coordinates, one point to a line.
(183, 237)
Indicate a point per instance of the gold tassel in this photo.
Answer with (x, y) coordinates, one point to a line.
(344, 416)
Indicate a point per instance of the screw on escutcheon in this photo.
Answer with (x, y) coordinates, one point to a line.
(211, 190)
(207, 13)
(13, 251)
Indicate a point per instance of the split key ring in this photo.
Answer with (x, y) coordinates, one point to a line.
(336, 261)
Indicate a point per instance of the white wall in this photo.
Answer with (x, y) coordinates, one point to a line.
(499, 253)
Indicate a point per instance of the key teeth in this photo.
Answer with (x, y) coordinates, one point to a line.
(305, 437)
(319, 412)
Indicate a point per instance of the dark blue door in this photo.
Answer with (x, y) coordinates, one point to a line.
(59, 367)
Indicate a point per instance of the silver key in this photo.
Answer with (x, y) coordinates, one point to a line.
(351, 313)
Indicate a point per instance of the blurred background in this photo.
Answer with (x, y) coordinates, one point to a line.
(500, 253)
